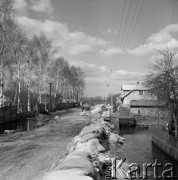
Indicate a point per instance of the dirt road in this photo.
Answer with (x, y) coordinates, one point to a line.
(27, 155)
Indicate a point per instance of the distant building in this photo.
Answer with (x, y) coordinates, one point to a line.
(133, 92)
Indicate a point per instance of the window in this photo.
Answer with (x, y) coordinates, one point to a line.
(140, 92)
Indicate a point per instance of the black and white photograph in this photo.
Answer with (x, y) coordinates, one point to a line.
(88, 89)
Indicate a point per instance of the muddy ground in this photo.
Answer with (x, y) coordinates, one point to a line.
(27, 155)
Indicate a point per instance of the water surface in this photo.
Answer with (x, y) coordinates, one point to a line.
(139, 148)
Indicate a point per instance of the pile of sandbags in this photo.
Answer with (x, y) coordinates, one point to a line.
(86, 107)
(86, 153)
(85, 113)
(97, 109)
(106, 115)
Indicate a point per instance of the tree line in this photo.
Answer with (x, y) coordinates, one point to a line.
(27, 66)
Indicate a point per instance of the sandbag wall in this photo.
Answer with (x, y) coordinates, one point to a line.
(87, 152)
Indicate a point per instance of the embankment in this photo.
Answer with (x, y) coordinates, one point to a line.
(88, 152)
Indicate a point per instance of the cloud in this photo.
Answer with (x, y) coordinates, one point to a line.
(73, 43)
(97, 72)
(108, 31)
(111, 51)
(20, 4)
(91, 70)
(127, 75)
(44, 6)
(21, 7)
(97, 76)
(28, 7)
(172, 28)
(157, 41)
(161, 37)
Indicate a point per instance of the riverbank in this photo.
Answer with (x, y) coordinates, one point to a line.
(27, 155)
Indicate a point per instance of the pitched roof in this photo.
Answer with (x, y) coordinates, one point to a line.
(137, 87)
(127, 87)
(133, 87)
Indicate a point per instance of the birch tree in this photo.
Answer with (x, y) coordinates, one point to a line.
(41, 56)
(7, 26)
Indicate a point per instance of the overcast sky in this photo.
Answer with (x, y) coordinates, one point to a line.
(89, 34)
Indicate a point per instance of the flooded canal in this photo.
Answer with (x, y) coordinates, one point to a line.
(138, 148)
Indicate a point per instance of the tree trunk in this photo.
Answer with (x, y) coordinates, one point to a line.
(19, 91)
(63, 90)
(28, 103)
(15, 95)
(176, 128)
(1, 86)
(57, 86)
(39, 96)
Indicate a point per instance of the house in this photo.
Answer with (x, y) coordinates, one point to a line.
(133, 92)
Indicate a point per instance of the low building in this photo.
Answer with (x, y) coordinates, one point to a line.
(133, 92)
(147, 107)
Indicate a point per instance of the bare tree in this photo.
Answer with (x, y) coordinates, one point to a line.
(7, 27)
(162, 82)
(41, 56)
(18, 60)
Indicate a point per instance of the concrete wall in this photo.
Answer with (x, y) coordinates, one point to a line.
(145, 111)
(156, 112)
(164, 141)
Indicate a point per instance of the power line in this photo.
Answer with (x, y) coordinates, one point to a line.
(131, 24)
(173, 12)
(120, 27)
(127, 20)
(136, 23)
(172, 19)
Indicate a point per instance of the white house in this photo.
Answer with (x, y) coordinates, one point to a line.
(133, 92)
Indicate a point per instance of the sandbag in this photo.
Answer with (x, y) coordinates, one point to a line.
(68, 174)
(92, 146)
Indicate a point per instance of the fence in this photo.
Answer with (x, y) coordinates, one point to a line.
(8, 114)
(11, 114)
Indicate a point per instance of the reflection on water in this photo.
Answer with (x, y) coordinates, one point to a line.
(139, 149)
(9, 126)
(19, 125)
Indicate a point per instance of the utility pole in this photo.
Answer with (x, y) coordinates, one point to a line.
(50, 85)
(111, 93)
(77, 96)
(50, 99)
(111, 88)
(1, 93)
(107, 85)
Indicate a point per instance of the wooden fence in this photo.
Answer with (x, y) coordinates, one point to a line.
(10, 113)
